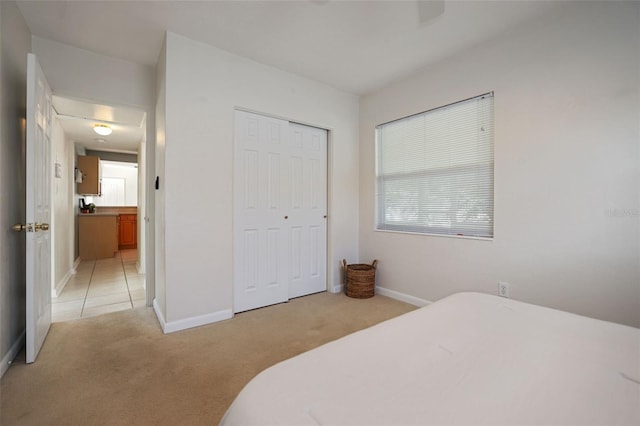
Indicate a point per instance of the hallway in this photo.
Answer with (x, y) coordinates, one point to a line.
(101, 286)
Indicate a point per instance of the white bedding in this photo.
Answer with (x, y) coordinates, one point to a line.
(469, 359)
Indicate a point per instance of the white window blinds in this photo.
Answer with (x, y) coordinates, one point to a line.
(434, 171)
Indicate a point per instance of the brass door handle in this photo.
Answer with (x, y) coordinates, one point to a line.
(41, 227)
(18, 227)
(29, 227)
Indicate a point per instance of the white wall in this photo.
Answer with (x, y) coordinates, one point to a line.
(16, 43)
(83, 74)
(158, 195)
(63, 208)
(203, 86)
(567, 222)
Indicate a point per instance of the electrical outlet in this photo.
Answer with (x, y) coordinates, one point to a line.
(503, 289)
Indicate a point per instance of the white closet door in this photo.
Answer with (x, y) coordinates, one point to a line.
(308, 207)
(260, 206)
(280, 197)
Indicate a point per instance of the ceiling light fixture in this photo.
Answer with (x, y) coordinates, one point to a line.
(102, 129)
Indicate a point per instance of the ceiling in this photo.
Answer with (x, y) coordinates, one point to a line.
(354, 46)
(78, 119)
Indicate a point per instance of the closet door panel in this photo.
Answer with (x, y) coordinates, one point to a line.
(309, 208)
(260, 270)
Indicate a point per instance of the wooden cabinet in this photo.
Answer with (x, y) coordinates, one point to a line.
(89, 167)
(128, 231)
(97, 236)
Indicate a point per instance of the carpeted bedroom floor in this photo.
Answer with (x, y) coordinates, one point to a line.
(119, 369)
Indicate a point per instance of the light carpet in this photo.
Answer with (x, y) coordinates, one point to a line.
(120, 369)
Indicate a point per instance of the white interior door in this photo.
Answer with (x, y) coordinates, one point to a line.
(38, 208)
(307, 210)
(260, 234)
(279, 210)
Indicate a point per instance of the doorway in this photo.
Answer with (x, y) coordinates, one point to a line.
(280, 210)
(87, 284)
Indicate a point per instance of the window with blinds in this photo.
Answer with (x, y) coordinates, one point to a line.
(434, 171)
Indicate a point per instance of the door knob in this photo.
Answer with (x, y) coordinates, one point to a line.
(18, 227)
(41, 227)
(30, 227)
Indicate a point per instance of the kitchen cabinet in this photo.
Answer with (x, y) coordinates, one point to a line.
(89, 167)
(97, 236)
(128, 231)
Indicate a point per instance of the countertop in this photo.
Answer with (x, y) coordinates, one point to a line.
(99, 214)
(117, 210)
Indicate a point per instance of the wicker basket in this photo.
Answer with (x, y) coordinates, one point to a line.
(361, 280)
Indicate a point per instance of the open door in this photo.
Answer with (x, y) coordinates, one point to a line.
(38, 190)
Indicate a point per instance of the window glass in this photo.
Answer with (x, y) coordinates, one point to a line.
(434, 171)
(119, 184)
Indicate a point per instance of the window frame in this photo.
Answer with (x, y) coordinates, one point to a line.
(380, 207)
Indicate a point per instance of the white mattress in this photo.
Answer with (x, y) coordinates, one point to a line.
(469, 359)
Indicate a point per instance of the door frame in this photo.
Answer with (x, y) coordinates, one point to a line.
(145, 230)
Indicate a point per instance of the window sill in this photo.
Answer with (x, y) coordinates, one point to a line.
(464, 237)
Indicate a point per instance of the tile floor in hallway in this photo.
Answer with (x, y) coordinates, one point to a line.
(101, 286)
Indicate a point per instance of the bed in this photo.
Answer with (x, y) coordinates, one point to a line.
(468, 359)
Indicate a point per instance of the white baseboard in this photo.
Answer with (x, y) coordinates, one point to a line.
(57, 291)
(159, 315)
(412, 300)
(337, 289)
(139, 268)
(11, 355)
(183, 324)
